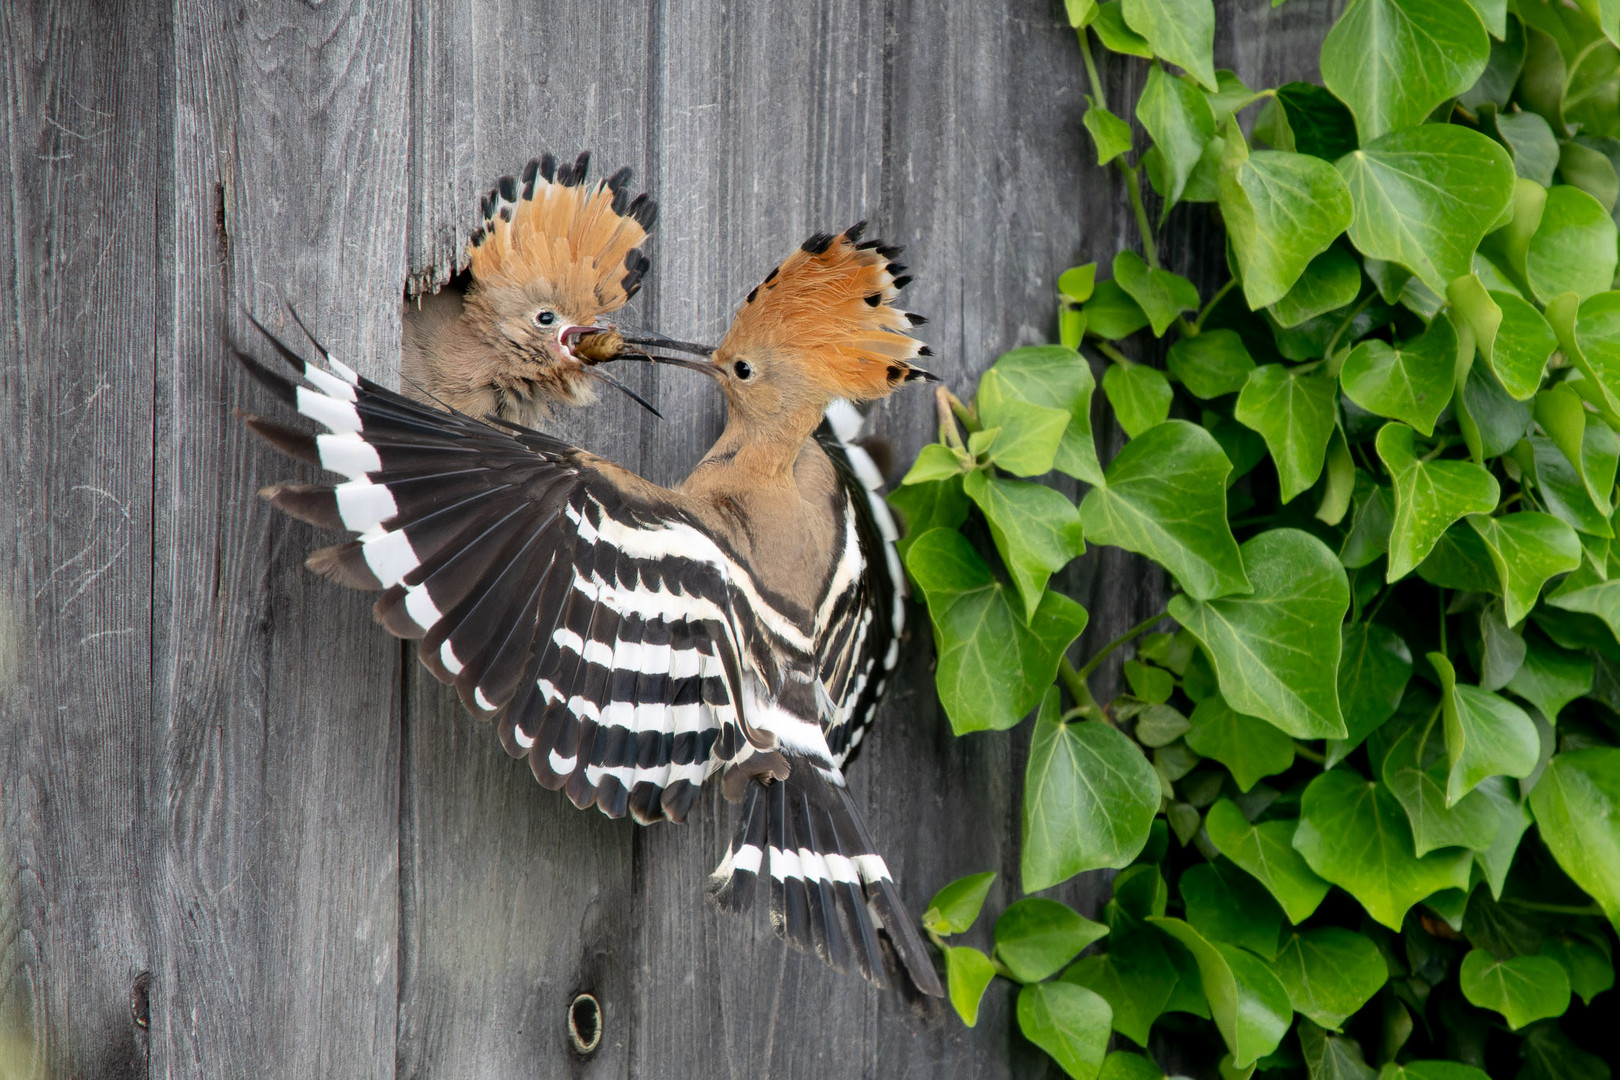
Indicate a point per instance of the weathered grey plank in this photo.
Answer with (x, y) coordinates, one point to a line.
(80, 172)
(514, 901)
(277, 699)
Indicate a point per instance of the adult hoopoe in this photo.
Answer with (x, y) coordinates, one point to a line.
(632, 640)
(553, 255)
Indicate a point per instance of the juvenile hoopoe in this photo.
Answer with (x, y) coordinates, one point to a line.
(632, 640)
(552, 255)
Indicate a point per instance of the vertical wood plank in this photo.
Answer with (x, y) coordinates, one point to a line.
(514, 901)
(277, 697)
(80, 171)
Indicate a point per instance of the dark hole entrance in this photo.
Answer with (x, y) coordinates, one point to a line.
(585, 1023)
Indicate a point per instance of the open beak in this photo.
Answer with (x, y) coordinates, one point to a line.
(568, 337)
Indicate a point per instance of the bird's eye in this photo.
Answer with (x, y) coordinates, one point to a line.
(742, 369)
(545, 318)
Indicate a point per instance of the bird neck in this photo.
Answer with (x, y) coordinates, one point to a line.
(761, 451)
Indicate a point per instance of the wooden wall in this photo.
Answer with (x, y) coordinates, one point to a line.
(241, 834)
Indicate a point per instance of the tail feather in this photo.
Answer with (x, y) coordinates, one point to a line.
(830, 891)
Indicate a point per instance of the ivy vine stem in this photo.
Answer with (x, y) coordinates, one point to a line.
(1111, 352)
(1134, 632)
(1079, 691)
(1220, 294)
(1554, 909)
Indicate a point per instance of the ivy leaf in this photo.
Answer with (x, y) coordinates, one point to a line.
(1573, 249)
(1380, 868)
(1057, 378)
(1374, 668)
(955, 908)
(1213, 363)
(1321, 125)
(1414, 768)
(1564, 489)
(967, 975)
(1369, 528)
(1281, 210)
(1590, 970)
(1492, 422)
(1523, 345)
(1527, 548)
(1550, 677)
(1393, 61)
(1089, 799)
(1431, 1070)
(1429, 496)
(1069, 1022)
(1226, 905)
(1111, 313)
(1159, 293)
(1036, 937)
(1592, 171)
(939, 504)
(1248, 746)
(993, 666)
(1329, 973)
(1512, 819)
(1249, 1005)
(1577, 806)
(1424, 197)
(1140, 396)
(1115, 35)
(1330, 281)
(1486, 735)
(1471, 304)
(1111, 134)
(1036, 529)
(1027, 435)
(1411, 383)
(1331, 1057)
(1266, 851)
(1124, 1065)
(1522, 989)
(1177, 116)
(1593, 449)
(1135, 977)
(1076, 283)
(1294, 413)
(1534, 147)
(1164, 496)
(1585, 591)
(1276, 651)
(1180, 31)
(934, 462)
(1549, 1055)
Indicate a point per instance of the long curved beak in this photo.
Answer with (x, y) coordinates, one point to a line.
(671, 361)
(659, 341)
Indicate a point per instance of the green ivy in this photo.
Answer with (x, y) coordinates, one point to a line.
(1362, 784)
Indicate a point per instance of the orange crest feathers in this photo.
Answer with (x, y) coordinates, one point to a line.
(551, 226)
(833, 298)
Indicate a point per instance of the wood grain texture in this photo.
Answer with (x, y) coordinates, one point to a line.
(278, 701)
(214, 767)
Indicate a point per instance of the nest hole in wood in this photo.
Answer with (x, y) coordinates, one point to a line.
(585, 1024)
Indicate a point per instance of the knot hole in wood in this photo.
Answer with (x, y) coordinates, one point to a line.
(585, 1024)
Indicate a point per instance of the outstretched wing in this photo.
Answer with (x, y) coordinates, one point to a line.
(583, 609)
(859, 625)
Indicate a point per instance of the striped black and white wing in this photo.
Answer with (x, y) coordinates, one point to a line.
(860, 622)
(591, 618)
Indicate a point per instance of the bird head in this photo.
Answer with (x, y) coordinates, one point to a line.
(553, 256)
(822, 325)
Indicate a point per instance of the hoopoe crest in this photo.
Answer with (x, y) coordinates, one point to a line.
(551, 257)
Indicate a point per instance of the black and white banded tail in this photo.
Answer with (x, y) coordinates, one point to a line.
(830, 891)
